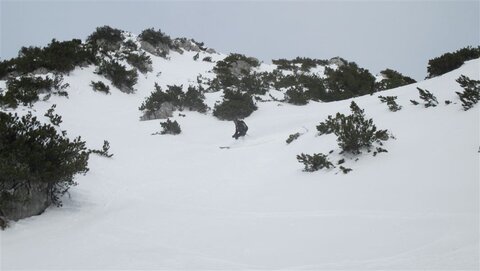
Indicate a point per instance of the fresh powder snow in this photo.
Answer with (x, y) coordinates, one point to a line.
(181, 202)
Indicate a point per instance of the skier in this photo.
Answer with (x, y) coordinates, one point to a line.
(240, 128)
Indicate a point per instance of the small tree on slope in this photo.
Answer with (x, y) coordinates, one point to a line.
(471, 93)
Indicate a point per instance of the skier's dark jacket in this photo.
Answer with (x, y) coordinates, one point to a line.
(240, 129)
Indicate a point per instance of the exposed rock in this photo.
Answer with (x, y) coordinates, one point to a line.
(239, 68)
(161, 50)
(165, 111)
(211, 51)
(337, 61)
(29, 200)
(40, 71)
(187, 45)
(107, 45)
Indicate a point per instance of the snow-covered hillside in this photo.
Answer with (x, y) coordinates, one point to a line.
(181, 202)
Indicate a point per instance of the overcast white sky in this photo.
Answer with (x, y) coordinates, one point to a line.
(402, 35)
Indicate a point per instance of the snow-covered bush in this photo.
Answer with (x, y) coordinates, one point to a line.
(100, 86)
(35, 161)
(26, 89)
(170, 127)
(314, 162)
(235, 105)
(429, 99)
(354, 132)
(471, 92)
(121, 78)
(391, 103)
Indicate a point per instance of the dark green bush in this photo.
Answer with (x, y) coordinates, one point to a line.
(207, 59)
(429, 99)
(156, 37)
(121, 78)
(253, 84)
(296, 95)
(302, 63)
(471, 92)
(60, 57)
(292, 137)
(194, 100)
(354, 131)
(393, 79)
(104, 151)
(142, 62)
(170, 127)
(100, 86)
(391, 103)
(25, 89)
(235, 105)
(32, 152)
(315, 162)
(55, 119)
(106, 38)
(451, 61)
(349, 80)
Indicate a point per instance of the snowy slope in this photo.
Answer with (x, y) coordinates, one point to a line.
(181, 202)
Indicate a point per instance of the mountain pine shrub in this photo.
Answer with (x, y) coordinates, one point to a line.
(104, 151)
(391, 103)
(58, 57)
(429, 99)
(451, 61)
(32, 153)
(156, 38)
(55, 119)
(314, 162)
(292, 137)
(121, 78)
(393, 79)
(170, 127)
(349, 80)
(235, 105)
(194, 100)
(106, 38)
(354, 132)
(26, 89)
(471, 92)
(296, 95)
(100, 86)
(142, 62)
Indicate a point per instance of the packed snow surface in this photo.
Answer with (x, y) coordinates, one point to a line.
(181, 202)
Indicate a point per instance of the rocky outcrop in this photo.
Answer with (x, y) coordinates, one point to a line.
(165, 111)
(337, 61)
(24, 200)
(160, 50)
(240, 67)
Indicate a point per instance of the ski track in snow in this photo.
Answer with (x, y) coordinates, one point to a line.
(180, 202)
